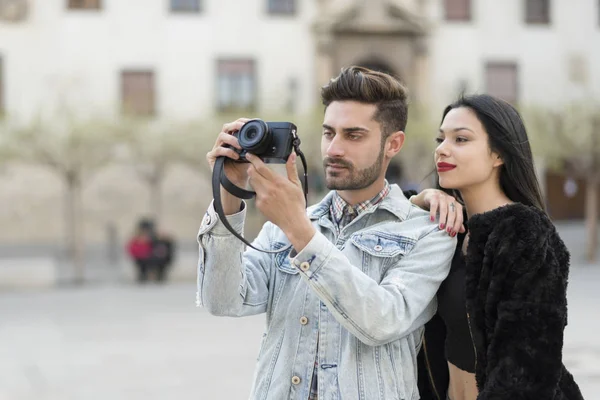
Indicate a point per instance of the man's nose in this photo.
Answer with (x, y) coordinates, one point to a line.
(335, 148)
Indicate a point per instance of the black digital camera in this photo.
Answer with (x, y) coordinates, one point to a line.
(272, 142)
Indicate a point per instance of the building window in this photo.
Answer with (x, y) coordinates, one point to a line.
(281, 6)
(137, 92)
(84, 4)
(501, 80)
(457, 10)
(537, 12)
(236, 85)
(185, 6)
(2, 106)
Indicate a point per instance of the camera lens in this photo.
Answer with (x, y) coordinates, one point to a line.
(255, 137)
(251, 134)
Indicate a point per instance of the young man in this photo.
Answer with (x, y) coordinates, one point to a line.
(347, 304)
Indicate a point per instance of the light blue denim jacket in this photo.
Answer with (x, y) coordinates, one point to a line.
(365, 295)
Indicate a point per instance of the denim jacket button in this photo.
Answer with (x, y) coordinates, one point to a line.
(206, 219)
(295, 380)
(305, 266)
(304, 320)
(378, 248)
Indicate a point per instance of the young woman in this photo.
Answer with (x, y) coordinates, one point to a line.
(502, 310)
(139, 248)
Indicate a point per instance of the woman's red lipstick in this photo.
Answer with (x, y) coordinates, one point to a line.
(443, 167)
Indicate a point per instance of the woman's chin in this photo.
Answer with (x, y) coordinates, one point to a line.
(445, 184)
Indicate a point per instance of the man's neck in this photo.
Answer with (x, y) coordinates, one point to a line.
(354, 197)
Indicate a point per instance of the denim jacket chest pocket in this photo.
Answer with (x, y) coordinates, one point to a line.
(286, 278)
(375, 251)
(282, 260)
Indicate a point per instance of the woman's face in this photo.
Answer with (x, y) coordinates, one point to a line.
(463, 157)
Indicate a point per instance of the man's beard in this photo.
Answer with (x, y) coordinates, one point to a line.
(355, 180)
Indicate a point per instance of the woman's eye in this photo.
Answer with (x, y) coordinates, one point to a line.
(461, 139)
(439, 140)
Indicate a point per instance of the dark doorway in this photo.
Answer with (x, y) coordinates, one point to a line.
(378, 65)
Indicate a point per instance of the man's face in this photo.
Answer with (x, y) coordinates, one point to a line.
(351, 146)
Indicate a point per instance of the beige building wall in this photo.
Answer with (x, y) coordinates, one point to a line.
(56, 56)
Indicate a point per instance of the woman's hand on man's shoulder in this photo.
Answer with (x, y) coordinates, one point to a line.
(443, 206)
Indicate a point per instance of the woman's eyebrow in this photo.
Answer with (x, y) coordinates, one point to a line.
(462, 128)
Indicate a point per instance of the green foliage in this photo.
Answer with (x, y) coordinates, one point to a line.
(571, 132)
(150, 146)
(421, 129)
(7, 148)
(70, 146)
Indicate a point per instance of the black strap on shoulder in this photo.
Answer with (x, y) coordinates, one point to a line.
(220, 178)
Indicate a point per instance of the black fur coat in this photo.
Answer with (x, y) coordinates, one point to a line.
(516, 281)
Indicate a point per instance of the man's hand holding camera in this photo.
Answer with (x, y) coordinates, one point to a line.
(279, 199)
(236, 172)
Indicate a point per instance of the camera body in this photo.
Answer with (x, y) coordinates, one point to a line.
(272, 142)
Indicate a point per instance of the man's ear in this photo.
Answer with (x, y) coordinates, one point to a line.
(394, 143)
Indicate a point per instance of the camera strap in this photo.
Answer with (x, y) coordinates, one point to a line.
(220, 178)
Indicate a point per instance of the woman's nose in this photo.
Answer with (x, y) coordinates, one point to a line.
(441, 150)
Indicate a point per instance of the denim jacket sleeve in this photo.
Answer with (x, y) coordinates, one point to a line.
(231, 282)
(379, 313)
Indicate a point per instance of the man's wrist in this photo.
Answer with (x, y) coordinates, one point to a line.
(301, 234)
(230, 203)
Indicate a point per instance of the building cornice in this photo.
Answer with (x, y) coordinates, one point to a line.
(382, 17)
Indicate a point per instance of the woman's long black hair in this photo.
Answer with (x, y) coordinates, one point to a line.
(507, 138)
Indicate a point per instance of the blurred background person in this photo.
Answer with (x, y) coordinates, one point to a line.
(140, 249)
(163, 250)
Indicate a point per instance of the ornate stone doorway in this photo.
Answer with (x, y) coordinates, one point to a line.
(378, 65)
(385, 35)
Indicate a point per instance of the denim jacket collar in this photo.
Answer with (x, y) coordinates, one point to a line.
(395, 202)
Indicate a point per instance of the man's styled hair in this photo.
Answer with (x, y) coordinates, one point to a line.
(371, 87)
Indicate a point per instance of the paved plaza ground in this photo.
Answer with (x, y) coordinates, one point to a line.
(122, 342)
(129, 342)
(111, 340)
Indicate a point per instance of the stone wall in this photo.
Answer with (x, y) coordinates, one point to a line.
(32, 203)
